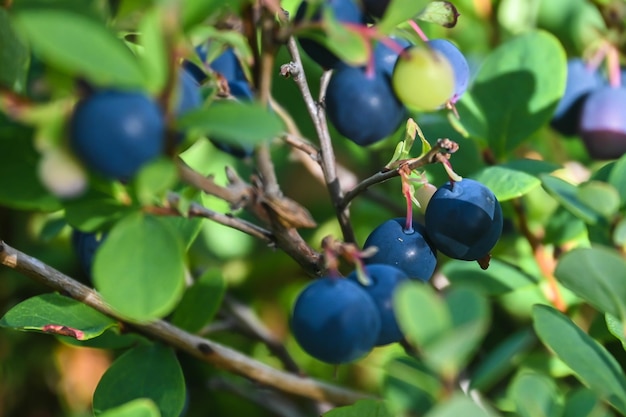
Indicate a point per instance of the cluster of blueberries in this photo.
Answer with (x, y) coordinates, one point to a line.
(338, 320)
(361, 104)
(594, 110)
(115, 132)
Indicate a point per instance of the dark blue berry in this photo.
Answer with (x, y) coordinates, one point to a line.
(384, 279)
(409, 251)
(464, 220)
(603, 123)
(335, 320)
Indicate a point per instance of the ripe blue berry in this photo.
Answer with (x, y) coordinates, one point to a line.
(335, 320)
(189, 97)
(384, 279)
(464, 220)
(346, 11)
(458, 62)
(116, 132)
(581, 81)
(409, 251)
(603, 123)
(362, 106)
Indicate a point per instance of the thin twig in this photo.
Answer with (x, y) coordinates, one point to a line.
(201, 348)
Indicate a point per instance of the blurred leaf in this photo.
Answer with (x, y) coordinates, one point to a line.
(196, 11)
(597, 276)
(149, 371)
(139, 268)
(441, 13)
(57, 314)
(94, 211)
(141, 407)
(499, 278)
(459, 405)
(361, 408)
(583, 402)
(600, 196)
(506, 183)
(236, 122)
(590, 361)
(502, 359)
(409, 386)
(154, 55)
(616, 327)
(616, 178)
(619, 233)
(200, 302)
(399, 11)
(187, 228)
(350, 46)
(567, 194)
(13, 55)
(110, 339)
(531, 166)
(20, 187)
(447, 331)
(84, 47)
(535, 395)
(515, 92)
(154, 179)
(563, 227)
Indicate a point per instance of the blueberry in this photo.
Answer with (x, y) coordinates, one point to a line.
(458, 62)
(603, 123)
(241, 90)
(580, 83)
(85, 246)
(346, 11)
(189, 97)
(409, 251)
(385, 58)
(362, 106)
(335, 320)
(464, 220)
(116, 132)
(227, 64)
(384, 279)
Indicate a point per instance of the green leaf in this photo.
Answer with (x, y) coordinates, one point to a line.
(111, 339)
(616, 178)
(499, 278)
(20, 187)
(94, 211)
(447, 331)
(56, 314)
(506, 183)
(154, 55)
(235, 122)
(350, 46)
(141, 407)
(535, 395)
(531, 166)
(399, 11)
(563, 227)
(515, 91)
(201, 302)
(410, 386)
(502, 359)
(139, 269)
(616, 327)
(441, 13)
(197, 11)
(603, 198)
(13, 55)
(84, 47)
(590, 361)
(149, 371)
(567, 194)
(583, 402)
(154, 179)
(187, 228)
(361, 408)
(597, 276)
(458, 405)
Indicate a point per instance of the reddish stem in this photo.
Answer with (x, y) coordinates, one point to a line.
(406, 191)
(612, 62)
(418, 30)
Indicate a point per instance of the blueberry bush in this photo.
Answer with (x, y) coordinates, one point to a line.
(372, 208)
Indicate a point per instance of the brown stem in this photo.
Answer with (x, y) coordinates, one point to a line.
(204, 349)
